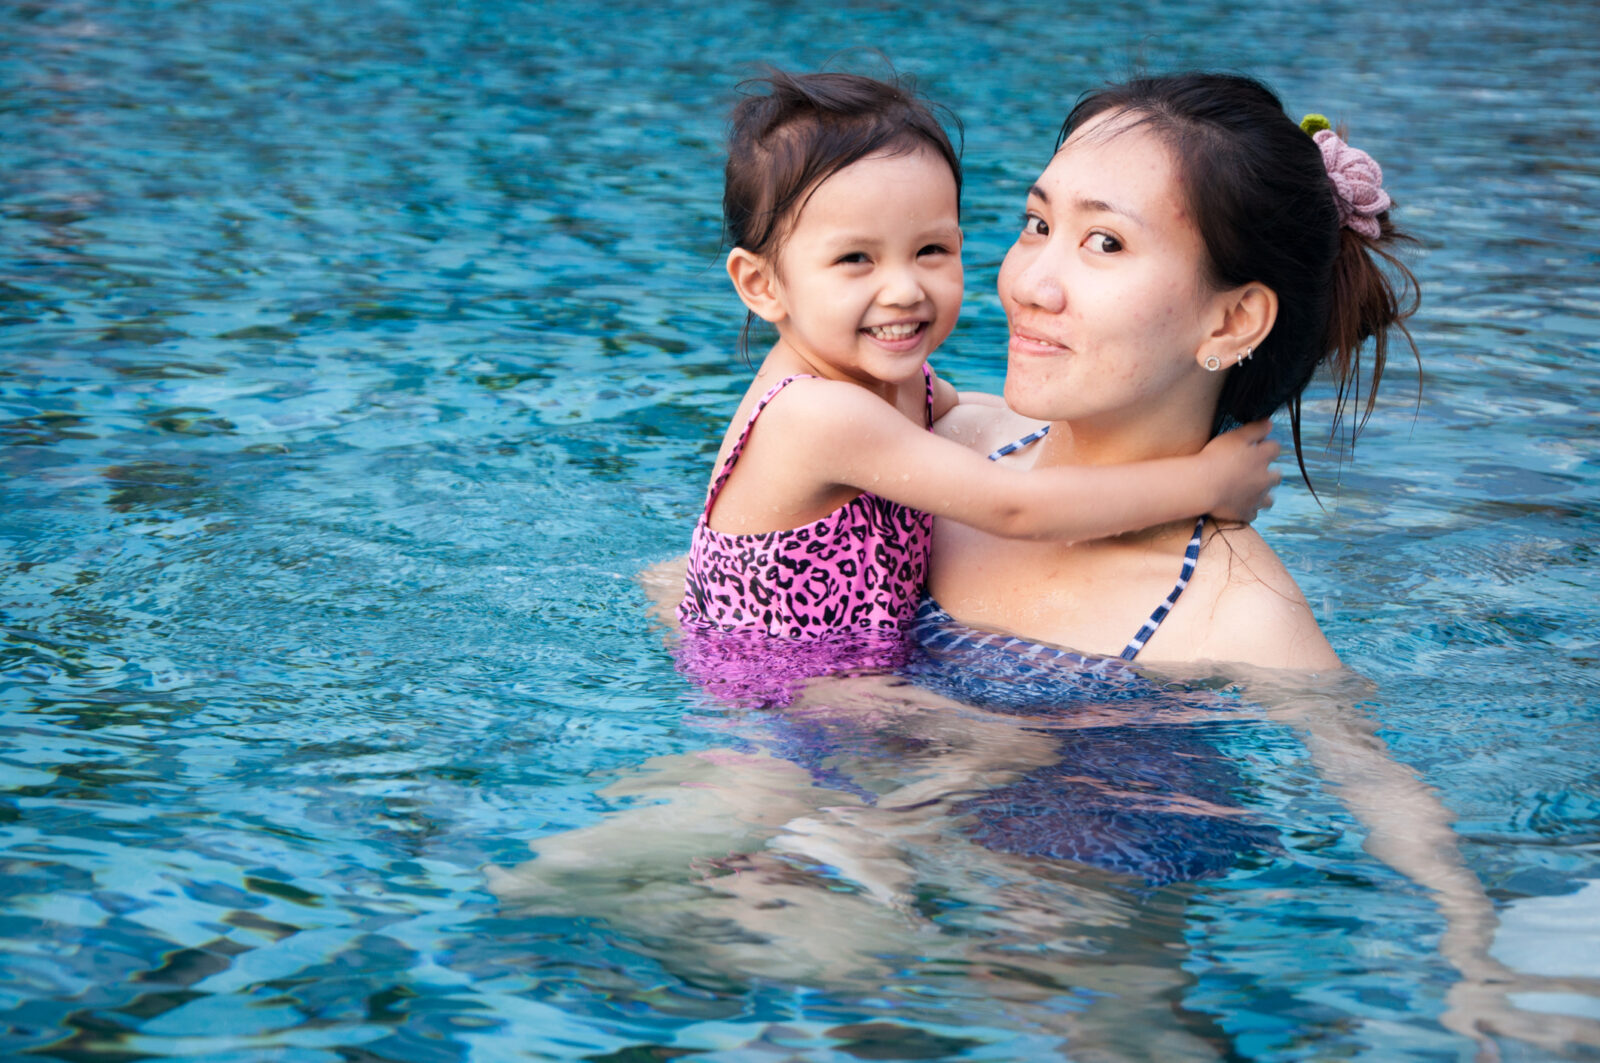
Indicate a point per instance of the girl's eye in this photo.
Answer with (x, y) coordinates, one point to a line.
(1104, 243)
(1034, 225)
(854, 258)
(934, 249)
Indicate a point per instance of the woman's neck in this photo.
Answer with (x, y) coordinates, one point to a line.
(1092, 442)
(1087, 442)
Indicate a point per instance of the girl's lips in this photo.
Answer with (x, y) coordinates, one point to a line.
(901, 336)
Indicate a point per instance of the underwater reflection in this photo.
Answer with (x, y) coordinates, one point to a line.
(873, 841)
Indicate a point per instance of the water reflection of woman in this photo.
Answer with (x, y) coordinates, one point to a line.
(1187, 260)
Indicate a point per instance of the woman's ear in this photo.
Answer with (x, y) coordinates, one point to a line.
(757, 284)
(1245, 317)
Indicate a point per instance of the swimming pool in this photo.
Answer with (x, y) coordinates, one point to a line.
(355, 360)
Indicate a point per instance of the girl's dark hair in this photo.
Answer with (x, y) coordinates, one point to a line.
(1266, 212)
(803, 129)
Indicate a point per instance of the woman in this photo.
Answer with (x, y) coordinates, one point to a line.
(1188, 258)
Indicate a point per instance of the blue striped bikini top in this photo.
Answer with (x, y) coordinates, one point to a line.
(936, 632)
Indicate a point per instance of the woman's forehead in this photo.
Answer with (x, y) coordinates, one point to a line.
(1115, 151)
(1118, 131)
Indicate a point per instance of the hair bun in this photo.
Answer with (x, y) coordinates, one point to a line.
(1358, 181)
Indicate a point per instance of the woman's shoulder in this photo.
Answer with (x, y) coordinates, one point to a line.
(1257, 613)
(983, 422)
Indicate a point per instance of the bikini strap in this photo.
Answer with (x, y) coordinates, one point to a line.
(761, 404)
(744, 434)
(1016, 445)
(1190, 556)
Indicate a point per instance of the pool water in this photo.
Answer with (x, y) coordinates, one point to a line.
(356, 359)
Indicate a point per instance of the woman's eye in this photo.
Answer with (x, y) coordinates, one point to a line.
(1104, 243)
(1034, 225)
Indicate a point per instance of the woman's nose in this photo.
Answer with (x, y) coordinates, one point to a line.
(1036, 281)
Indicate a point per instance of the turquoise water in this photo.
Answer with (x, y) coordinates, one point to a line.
(356, 358)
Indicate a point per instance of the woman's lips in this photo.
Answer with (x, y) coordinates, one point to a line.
(1025, 342)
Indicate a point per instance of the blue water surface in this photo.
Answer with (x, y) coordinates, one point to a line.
(357, 357)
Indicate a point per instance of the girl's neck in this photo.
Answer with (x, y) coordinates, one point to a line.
(785, 359)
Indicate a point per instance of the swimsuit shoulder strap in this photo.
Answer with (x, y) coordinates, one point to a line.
(1017, 444)
(927, 409)
(1190, 556)
(744, 434)
(761, 404)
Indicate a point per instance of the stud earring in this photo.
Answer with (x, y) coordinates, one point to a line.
(1213, 363)
(1249, 353)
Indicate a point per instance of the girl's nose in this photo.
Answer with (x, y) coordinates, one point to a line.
(901, 288)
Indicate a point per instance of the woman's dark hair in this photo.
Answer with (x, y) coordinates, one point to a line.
(1265, 208)
(804, 128)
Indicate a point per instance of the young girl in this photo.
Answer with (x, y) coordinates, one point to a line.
(842, 204)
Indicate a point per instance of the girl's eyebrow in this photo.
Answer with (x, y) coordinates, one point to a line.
(1093, 206)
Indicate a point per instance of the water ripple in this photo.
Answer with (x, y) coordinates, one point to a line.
(355, 359)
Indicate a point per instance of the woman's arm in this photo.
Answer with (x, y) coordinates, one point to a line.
(1252, 610)
(1412, 831)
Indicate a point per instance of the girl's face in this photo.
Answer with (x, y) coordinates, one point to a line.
(869, 280)
(1105, 290)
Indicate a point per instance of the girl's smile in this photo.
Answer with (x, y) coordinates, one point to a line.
(899, 337)
(868, 282)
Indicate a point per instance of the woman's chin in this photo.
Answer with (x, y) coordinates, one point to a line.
(1033, 403)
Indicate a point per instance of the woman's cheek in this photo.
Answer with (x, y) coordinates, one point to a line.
(1010, 266)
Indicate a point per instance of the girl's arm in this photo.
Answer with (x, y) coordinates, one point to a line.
(845, 435)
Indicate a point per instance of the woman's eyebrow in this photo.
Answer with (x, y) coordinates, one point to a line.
(1100, 206)
(1092, 206)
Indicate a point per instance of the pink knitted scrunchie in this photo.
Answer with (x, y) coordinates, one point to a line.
(1358, 180)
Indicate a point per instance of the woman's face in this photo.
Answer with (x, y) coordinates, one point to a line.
(1105, 288)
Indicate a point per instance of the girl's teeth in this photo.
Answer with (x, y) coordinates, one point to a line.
(892, 332)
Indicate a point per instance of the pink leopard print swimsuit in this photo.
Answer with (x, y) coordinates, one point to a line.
(860, 568)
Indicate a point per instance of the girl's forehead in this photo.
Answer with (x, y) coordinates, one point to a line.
(916, 173)
(918, 155)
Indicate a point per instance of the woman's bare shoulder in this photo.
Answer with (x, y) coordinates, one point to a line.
(983, 422)
(1258, 610)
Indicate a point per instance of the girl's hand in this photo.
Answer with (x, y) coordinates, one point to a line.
(1240, 464)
